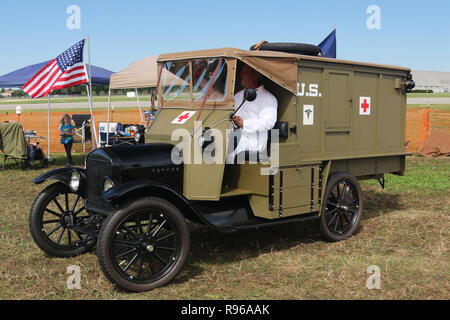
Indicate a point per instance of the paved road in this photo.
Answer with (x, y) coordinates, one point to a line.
(71, 105)
(133, 104)
(428, 101)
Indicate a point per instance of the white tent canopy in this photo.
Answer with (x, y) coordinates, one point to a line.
(140, 74)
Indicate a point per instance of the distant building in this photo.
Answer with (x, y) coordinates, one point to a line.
(432, 80)
(7, 94)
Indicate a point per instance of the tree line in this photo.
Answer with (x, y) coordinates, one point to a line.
(80, 91)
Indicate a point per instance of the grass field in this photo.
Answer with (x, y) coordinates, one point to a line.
(404, 231)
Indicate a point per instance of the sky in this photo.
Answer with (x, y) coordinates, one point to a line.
(409, 33)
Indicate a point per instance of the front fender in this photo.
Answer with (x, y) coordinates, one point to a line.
(63, 175)
(124, 189)
(139, 188)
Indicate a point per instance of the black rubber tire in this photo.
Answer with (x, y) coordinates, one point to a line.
(297, 48)
(36, 222)
(107, 244)
(337, 205)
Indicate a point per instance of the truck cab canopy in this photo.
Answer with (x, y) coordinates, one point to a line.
(279, 67)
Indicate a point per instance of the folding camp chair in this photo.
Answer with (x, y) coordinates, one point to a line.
(82, 128)
(13, 143)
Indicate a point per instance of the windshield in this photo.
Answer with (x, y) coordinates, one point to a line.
(204, 70)
(176, 82)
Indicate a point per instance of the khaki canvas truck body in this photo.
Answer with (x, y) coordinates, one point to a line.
(338, 122)
(342, 116)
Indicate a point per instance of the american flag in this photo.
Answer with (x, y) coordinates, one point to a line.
(67, 70)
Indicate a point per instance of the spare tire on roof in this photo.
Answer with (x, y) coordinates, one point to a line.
(290, 47)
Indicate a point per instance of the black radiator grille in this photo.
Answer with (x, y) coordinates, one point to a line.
(96, 171)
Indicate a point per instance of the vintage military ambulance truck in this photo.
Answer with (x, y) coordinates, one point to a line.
(338, 122)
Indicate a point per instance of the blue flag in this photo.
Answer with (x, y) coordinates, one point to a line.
(328, 45)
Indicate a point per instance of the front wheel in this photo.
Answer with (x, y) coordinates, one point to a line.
(58, 221)
(143, 245)
(342, 207)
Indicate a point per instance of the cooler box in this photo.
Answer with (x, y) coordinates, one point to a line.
(102, 132)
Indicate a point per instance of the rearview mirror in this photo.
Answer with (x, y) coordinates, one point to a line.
(249, 94)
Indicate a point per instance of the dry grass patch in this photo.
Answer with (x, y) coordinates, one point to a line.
(404, 231)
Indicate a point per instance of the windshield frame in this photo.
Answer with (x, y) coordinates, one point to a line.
(226, 103)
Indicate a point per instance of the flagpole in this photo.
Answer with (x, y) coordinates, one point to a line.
(107, 122)
(89, 91)
(89, 57)
(92, 117)
(139, 104)
(48, 128)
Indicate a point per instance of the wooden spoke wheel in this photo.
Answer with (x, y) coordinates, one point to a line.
(57, 222)
(342, 207)
(143, 245)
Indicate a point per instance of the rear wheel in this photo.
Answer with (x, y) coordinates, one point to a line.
(342, 207)
(57, 220)
(143, 245)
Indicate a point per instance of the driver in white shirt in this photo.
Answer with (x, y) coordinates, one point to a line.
(255, 118)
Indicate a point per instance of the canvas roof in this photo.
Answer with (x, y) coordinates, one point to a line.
(280, 67)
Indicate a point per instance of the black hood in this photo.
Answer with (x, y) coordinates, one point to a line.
(126, 162)
(136, 156)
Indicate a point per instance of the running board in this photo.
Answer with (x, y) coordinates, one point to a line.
(233, 214)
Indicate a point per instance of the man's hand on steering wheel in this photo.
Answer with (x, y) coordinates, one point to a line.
(238, 121)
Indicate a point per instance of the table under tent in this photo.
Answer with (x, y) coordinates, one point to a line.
(16, 79)
(139, 75)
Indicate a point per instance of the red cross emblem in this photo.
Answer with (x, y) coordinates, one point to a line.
(364, 105)
(183, 117)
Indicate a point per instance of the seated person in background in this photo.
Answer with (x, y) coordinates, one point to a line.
(255, 118)
(35, 152)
